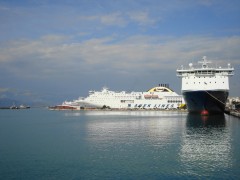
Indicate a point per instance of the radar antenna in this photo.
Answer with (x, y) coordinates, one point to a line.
(204, 62)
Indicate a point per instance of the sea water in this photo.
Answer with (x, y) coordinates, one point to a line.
(44, 144)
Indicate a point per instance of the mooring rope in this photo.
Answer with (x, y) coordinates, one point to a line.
(215, 98)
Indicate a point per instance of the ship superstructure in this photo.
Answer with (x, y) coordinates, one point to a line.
(205, 88)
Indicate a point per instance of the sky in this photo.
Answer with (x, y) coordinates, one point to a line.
(56, 50)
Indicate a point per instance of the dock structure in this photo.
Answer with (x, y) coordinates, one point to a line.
(233, 106)
(235, 113)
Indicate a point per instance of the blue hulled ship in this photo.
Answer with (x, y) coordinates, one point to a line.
(205, 88)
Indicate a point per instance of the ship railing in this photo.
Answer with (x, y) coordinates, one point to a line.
(184, 69)
(205, 73)
(180, 74)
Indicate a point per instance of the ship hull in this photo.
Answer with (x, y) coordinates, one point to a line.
(211, 101)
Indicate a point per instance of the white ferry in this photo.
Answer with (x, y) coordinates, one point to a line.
(205, 88)
(160, 97)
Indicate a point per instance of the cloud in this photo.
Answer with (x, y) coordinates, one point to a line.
(142, 18)
(27, 48)
(113, 19)
(119, 19)
(58, 55)
(3, 90)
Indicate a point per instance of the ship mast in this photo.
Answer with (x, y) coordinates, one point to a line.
(204, 62)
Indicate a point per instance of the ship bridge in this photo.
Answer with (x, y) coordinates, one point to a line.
(205, 70)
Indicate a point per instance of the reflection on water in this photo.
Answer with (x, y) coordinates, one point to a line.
(126, 126)
(198, 121)
(141, 143)
(152, 126)
(111, 128)
(206, 144)
(122, 113)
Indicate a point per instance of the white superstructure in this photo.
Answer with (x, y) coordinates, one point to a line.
(204, 77)
(160, 97)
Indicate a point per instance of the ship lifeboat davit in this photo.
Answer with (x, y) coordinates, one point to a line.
(204, 113)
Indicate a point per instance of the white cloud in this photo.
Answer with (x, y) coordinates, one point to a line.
(142, 18)
(121, 19)
(113, 19)
(56, 54)
(26, 48)
(3, 90)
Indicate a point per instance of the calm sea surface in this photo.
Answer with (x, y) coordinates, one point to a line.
(43, 144)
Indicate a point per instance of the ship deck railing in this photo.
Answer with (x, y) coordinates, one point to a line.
(204, 73)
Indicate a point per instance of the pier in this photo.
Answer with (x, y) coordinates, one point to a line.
(233, 106)
(235, 113)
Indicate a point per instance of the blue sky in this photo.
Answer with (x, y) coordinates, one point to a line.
(53, 50)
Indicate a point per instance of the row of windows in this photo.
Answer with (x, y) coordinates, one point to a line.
(206, 77)
(127, 101)
(206, 72)
(205, 82)
(112, 97)
(176, 101)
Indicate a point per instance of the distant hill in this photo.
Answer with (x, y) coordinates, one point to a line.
(6, 102)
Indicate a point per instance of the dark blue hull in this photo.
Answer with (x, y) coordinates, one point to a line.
(211, 101)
